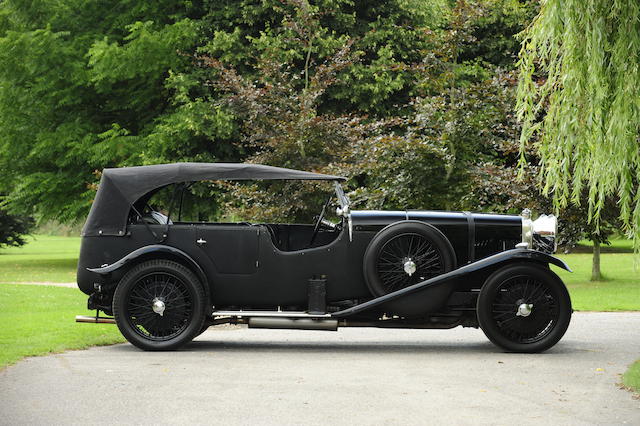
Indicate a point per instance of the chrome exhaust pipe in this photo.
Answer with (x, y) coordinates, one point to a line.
(95, 320)
(294, 323)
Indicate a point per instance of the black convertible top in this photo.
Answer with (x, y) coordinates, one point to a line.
(120, 188)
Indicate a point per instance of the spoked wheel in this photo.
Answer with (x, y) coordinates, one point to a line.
(159, 305)
(405, 254)
(407, 259)
(524, 308)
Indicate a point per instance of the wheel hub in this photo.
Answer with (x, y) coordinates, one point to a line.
(158, 306)
(524, 310)
(410, 267)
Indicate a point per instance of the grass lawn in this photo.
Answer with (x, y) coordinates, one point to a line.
(620, 289)
(43, 258)
(36, 320)
(631, 378)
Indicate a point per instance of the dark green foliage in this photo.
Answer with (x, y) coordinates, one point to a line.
(411, 100)
(72, 101)
(88, 85)
(493, 34)
(462, 120)
(280, 124)
(13, 228)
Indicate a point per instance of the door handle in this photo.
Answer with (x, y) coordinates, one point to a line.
(201, 241)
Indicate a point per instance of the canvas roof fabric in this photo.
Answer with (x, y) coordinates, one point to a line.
(120, 188)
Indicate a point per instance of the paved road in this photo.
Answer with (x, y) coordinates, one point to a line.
(234, 375)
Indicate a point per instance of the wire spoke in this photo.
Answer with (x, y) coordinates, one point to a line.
(532, 326)
(178, 306)
(400, 249)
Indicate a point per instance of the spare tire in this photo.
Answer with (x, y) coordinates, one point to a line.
(406, 253)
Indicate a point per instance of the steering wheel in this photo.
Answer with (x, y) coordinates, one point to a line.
(316, 227)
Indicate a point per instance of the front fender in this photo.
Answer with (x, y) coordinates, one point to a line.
(150, 251)
(538, 256)
(491, 261)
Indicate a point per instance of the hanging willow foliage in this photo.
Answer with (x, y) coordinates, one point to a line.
(579, 102)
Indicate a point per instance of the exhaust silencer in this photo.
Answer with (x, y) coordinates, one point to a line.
(95, 320)
(294, 323)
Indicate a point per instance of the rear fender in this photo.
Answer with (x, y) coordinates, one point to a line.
(153, 252)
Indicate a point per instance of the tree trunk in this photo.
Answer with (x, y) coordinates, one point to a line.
(595, 269)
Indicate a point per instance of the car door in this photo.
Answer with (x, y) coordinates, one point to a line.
(233, 248)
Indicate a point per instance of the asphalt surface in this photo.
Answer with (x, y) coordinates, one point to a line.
(238, 376)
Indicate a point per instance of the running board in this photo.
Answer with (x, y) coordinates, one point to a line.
(95, 320)
(273, 314)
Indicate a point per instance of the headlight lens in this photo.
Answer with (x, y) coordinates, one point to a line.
(546, 225)
(545, 229)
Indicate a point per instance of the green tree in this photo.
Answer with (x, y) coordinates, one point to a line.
(13, 228)
(461, 118)
(278, 110)
(72, 102)
(91, 84)
(579, 101)
(364, 88)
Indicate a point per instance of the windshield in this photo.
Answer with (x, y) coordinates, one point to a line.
(343, 200)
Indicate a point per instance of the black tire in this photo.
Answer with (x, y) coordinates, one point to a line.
(512, 286)
(183, 305)
(388, 251)
(204, 328)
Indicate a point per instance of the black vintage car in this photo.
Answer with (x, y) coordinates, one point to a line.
(165, 280)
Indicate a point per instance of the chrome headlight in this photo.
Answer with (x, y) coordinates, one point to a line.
(545, 229)
(546, 225)
(539, 234)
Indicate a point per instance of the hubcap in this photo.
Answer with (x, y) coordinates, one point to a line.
(158, 306)
(410, 267)
(524, 310)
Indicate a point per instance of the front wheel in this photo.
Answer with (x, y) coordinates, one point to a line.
(159, 305)
(524, 308)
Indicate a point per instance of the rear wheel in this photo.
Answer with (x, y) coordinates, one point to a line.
(524, 308)
(159, 305)
(204, 328)
(404, 254)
